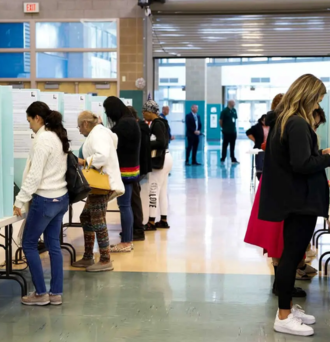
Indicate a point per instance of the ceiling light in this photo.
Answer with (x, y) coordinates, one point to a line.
(252, 45)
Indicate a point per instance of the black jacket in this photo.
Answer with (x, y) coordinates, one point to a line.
(294, 179)
(159, 128)
(128, 150)
(258, 134)
(145, 150)
(191, 125)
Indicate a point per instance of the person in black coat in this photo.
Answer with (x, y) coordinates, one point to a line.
(193, 131)
(128, 150)
(294, 189)
(258, 134)
(145, 168)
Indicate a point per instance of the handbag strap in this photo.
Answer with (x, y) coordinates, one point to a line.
(90, 164)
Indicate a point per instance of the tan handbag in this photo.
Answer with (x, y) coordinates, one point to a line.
(97, 180)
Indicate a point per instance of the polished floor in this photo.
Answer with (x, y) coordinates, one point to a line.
(197, 281)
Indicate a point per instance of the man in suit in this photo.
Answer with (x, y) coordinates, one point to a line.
(228, 119)
(193, 131)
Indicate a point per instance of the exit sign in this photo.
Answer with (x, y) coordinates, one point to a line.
(31, 7)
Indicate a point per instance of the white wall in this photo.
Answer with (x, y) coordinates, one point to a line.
(281, 74)
(173, 72)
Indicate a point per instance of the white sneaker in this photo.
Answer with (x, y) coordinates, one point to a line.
(293, 326)
(298, 312)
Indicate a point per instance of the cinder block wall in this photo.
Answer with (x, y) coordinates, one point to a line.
(72, 9)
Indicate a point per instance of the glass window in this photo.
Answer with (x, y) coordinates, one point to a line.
(91, 34)
(14, 35)
(15, 65)
(77, 65)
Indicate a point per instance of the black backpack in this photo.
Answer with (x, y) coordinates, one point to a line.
(78, 187)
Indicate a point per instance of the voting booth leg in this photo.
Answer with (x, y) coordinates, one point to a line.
(317, 239)
(68, 247)
(319, 231)
(252, 173)
(326, 266)
(18, 255)
(9, 274)
(321, 260)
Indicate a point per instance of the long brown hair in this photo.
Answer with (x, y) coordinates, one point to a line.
(276, 100)
(300, 99)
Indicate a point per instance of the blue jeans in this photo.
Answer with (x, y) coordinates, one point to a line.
(126, 214)
(45, 217)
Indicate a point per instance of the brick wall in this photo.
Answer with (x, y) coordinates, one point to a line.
(131, 52)
(72, 9)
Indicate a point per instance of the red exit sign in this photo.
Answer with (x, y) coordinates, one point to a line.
(31, 7)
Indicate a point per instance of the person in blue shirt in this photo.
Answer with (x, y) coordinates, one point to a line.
(163, 115)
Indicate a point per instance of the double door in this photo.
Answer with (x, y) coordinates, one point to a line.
(249, 112)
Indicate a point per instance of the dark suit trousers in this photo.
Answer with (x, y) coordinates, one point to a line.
(137, 207)
(193, 142)
(229, 139)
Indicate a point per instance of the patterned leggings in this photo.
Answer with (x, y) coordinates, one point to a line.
(93, 221)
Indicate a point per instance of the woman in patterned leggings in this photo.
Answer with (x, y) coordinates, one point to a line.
(99, 151)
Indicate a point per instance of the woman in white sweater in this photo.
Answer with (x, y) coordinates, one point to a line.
(99, 150)
(45, 188)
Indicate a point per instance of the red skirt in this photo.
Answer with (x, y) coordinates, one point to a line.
(264, 234)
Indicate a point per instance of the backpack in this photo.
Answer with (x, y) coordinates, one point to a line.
(78, 187)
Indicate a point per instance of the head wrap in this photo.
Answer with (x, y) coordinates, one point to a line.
(151, 107)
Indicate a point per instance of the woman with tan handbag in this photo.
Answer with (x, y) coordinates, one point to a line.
(99, 152)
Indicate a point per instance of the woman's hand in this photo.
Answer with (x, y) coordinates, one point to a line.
(81, 162)
(17, 212)
(326, 151)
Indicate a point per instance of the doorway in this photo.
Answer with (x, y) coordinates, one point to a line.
(249, 112)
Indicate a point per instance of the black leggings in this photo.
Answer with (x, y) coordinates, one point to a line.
(297, 233)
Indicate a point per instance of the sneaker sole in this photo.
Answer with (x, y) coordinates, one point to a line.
(287, 331)
(103, 270)
(36, 304)
(81, 266)
(311, 322)
(56, 303)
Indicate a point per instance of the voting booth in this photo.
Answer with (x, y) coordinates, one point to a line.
(16, 139)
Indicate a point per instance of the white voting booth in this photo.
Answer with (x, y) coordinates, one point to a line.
(16, 137)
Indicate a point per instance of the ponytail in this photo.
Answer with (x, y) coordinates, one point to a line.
(53, 121)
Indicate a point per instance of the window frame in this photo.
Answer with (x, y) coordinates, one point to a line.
(33, 52)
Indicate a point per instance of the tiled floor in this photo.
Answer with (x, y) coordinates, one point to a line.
(197, 281)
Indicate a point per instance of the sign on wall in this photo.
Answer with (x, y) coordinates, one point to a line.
(31, 7)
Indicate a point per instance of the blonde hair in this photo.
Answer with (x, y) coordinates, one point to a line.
(300, 99)
(86, 115)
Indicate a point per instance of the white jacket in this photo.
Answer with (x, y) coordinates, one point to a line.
(101, 147)
(45, 169)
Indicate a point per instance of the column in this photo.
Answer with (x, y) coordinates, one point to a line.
(196, 87)
(214, 102)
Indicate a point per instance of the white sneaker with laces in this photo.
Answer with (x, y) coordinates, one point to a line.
(293, 326)
(298, 312)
